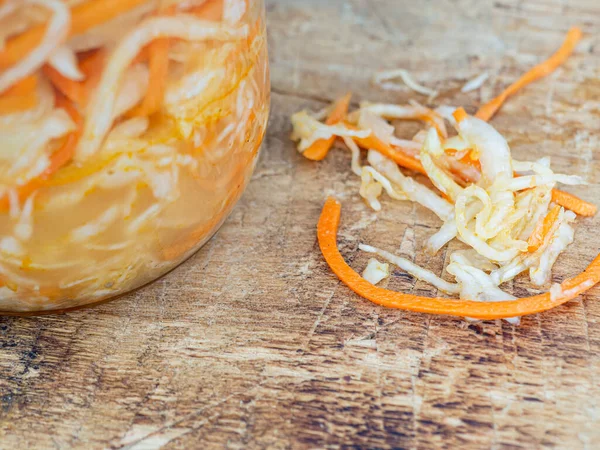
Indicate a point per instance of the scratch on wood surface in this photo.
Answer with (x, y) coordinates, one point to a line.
(312, 330)
(142, 437)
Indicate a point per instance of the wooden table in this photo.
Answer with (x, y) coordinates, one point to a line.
(253, 343)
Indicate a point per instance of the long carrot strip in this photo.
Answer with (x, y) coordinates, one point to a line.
(319, 149)
(63, 155)
(575, 204)
(158, 51)
(487, 111)
(327, 236)
(159, 67)
(542, 229)
(58, 159)
(83, 17)
(401, 158)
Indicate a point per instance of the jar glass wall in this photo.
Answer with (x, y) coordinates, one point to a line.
(128, 130)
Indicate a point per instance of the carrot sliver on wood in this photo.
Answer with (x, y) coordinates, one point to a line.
(397, 155)
(541, 230)
(319, 149)
(573, 203)
(459, 115)
(487, 111)
(327, 237)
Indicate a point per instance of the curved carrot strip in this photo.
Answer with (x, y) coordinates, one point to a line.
(487, 111)
(542, 229)
(319, 149)
(83, 17)
(327, 236)
(575, 204)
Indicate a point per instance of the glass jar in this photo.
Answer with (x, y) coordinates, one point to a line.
(128, 131)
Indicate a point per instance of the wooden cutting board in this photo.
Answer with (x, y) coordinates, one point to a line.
(253, 343)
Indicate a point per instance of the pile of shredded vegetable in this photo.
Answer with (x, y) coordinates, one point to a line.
(128, 128)
(509, 213)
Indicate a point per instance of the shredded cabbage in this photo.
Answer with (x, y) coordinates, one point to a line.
(494, 214)
(92, 211)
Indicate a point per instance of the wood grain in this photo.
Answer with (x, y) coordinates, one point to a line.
(253, 343)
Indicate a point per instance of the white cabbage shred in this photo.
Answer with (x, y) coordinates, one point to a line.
(376, 271)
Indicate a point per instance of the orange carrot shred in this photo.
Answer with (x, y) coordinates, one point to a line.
(74, 90)
(19, 97)
(459, 115)
(327, 237)
(542, 228)
(487, 111)
(319, 149)
(79, 91)
(397, 155)
(573, 203)
(159, 67)
(158, 51)
(22, 87)
(211, 10)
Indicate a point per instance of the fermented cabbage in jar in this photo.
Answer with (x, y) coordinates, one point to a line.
(128, 130)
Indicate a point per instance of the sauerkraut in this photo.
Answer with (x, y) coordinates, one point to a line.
(128, 129)
(507, 212)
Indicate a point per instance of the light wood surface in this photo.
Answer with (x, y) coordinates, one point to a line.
(252, 343)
